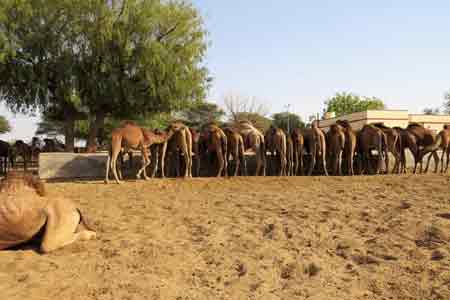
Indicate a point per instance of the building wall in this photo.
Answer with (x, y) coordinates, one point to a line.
(390, 118)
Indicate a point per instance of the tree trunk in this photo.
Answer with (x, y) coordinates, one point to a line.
(94, 126)
(69, 134)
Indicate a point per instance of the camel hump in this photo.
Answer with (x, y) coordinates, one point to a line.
(414, 124)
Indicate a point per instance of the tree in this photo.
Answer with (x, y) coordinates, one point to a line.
(447, 103)
(200, 113)
(287, 121)
(431, 111)
(4, 125)
(347, 103)
(240, 108)
(107, 59)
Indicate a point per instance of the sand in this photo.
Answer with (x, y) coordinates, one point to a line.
(380, 237)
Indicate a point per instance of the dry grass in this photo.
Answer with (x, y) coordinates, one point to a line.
(248, 238)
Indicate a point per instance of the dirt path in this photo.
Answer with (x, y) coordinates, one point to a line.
(248, 238)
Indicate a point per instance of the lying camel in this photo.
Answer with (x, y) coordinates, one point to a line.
(130, 136)
(315, 143)
(236, 150)
(350, 145)
(25, 211)
(335, 147)
(254, 140)
(215, 141)
(297, 143)
(181, 141)
(275, 140)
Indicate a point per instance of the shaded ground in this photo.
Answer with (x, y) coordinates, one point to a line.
(384, 237)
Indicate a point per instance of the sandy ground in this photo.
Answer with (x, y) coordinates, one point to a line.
(384, 237)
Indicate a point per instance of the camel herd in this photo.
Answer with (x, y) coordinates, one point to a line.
(339, 151)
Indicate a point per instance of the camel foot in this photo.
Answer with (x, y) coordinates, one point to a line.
(146, 178)
(87, 235)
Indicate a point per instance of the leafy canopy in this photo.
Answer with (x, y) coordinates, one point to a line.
(347, 103)
(285, 121)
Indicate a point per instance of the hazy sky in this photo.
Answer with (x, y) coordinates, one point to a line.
(302, 52)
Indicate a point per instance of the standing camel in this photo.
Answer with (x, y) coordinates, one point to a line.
(442, 142)
(297, 143)
(254, 140)
(180, 144)
(215, 141)
(289, 156)
(275, 140)
(407, 141)
(427, 142)
(393, 139)
(20, 148)
(315, 143)
(236, 150)
(371, 138)
(130, 136)
(350, 145)
(335, 147)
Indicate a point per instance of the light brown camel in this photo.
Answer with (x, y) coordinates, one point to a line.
(275, 140)
(335, 147)
(130, 136)
(350, 145)
(236, 150)
(298, 143)
(371, 138)
(393, 139)
(315, 144)
(195, 151)
(180, 142)
(427, 142)
(254, 140)
(407, 141)
(216, 143)
(289, 156)
(26, 211)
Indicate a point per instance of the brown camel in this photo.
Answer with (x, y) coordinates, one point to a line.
(130, 136)
(371, 138)
(20, 148)
(195, 151)
(444, 138)
(53, 145)
(5, 157)
(393, 140)
(297, 143)
(407, 141)
(180, 144)
(275, 140)
(335, 147)
(427, 142)
(315, 144)
(215, 143)
(254, 140)
(25, 211)
(236, 150)
(289, 156)
(350, 145)
(445, 145)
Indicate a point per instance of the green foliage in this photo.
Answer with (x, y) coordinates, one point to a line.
(200, 113)
(4, 125)
(259, 121)
(287, 120)
(347, 103)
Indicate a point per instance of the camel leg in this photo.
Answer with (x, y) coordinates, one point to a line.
(350, 165)
(113, 166)
(237, 162)
(145, 163)
(436, 161)
(313, 162)
(108, 162)
(155, 155)
(339, 166)
(428, 163)
(448, 158)
(63, 219)
(162, 159)
(220, 160)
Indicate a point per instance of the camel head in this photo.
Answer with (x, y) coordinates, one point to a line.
(15, 181)
(446, 127)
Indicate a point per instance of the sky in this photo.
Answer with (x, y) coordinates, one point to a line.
(302, 52)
